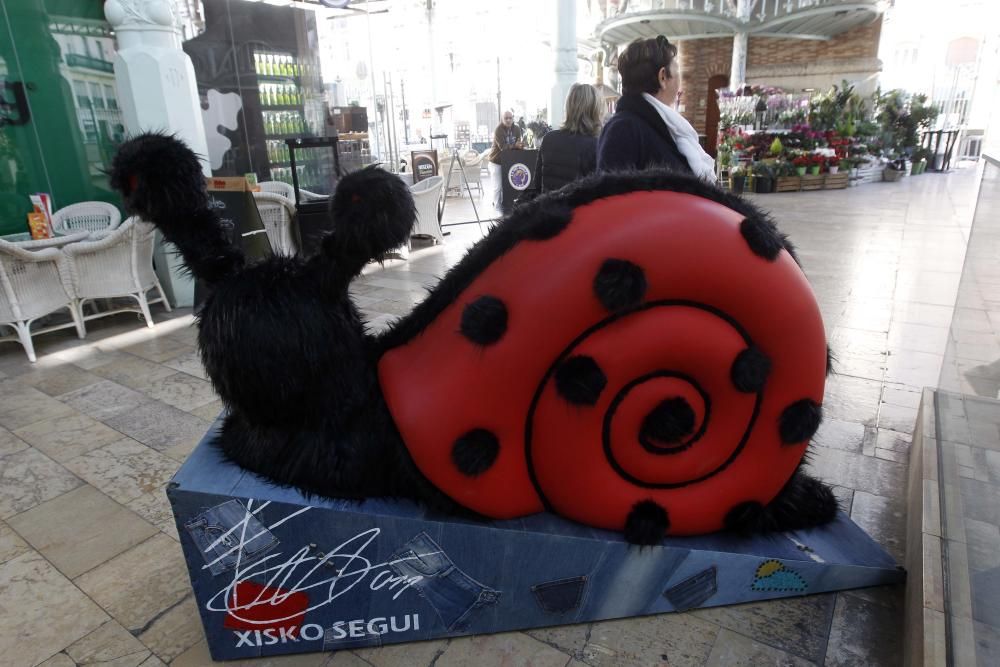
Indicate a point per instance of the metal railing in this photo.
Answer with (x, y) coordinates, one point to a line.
(761, 11)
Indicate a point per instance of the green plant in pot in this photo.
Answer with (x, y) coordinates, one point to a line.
(801, 164)
(815, 163)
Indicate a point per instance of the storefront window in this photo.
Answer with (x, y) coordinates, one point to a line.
(60, 124)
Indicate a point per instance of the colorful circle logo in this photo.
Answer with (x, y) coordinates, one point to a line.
(519, 176)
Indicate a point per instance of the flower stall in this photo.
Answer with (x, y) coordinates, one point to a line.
(774, 141)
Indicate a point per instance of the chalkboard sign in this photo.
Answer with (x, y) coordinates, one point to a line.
(233, 202)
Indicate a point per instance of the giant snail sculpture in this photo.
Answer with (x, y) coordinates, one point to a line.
(637, 352)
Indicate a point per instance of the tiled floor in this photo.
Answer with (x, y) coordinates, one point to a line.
(91, 571)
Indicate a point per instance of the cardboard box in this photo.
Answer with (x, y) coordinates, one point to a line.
(275, 572)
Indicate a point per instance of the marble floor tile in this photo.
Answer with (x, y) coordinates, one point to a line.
(209, 412)
(105, 399)
(514, 648)
(51, 613)
(110, 644)
(735, 650)
(64, 438)
(59, 660)
(856, 471)
(11, 544)
(416, 653)
(198, 656)
(852, 399)
(23, 405)
(884, 518)
(134, 372)
(864, 633)
(897, 418)
(136, 586)
(29, 478)
(81, 529)
(159, 425)
(10, 443)
(58, 379)
(159, 349)
(189, 363)
(796, 625)
(838, 434)
(674, 639)
(182, 391)
(155, 508)
(124, 470)
(174, 631)
(566, 638)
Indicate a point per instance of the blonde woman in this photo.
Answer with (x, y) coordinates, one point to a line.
(570, 152)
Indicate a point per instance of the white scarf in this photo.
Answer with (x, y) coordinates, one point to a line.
(701, 163)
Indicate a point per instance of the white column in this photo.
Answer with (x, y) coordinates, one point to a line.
(738, 69)
(157, 91)
(565, 60)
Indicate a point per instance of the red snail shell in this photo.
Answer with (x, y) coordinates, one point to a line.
(653, 350)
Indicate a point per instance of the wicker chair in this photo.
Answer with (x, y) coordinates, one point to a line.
(90, 216)
(33, 284)
(286, 190)
(426, 195)
(277, 212)
(117, 265)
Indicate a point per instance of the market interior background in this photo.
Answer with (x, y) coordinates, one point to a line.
(864, 128)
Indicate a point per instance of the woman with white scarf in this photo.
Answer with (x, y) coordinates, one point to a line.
(645, 130)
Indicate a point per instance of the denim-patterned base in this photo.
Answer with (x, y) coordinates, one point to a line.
(276, 573)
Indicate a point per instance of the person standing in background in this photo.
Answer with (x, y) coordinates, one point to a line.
(570, 152)
(645, 130)
(505, 137)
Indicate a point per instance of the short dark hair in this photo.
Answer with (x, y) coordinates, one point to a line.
(639, 64)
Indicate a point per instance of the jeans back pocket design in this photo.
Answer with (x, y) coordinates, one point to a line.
(560, 596)
(693, 591)
(229, 533)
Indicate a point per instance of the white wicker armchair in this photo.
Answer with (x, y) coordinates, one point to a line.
(277, 212)
(286, 190)
(118, 265)
(33, 284)
(89, 216)
(426, 195)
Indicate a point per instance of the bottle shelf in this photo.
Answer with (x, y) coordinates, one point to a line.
(295, 78)
(284, 107)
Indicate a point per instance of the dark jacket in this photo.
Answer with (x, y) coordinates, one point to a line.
(504, 138)
(637, 138)
(564, 157)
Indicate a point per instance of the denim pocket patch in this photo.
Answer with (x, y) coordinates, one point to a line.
(560, 596)
(228, 534)
(693, 591)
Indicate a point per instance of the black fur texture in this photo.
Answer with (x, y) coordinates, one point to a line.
(763, 237)
(484, 321)
(750, 370)
(668, 422)
(580, 380)
(799, 421)
(647, 524)
(287, 350)
(620, 284)
(803, 502)
(475, 452)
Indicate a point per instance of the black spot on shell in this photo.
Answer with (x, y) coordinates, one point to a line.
(580, 380)
(668, 422)
(484, 321)
(620, 284)
(763, 238)
(474, 452)
(750, 370)
(799, 421)
(647, 523)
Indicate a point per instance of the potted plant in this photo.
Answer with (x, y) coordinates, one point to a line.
(919, 158)
(736, 180)
(763, 178)
(801, 164)
(776, 148)
(815, 163)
